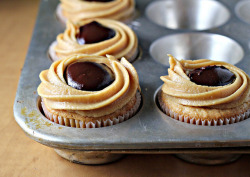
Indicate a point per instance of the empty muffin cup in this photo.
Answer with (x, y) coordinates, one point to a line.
(188, 14)
(196, 46)
(242, 10)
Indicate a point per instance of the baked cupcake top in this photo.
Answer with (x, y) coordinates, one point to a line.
(78, 10)
(118, 86)
(98, 37)
(206, 83)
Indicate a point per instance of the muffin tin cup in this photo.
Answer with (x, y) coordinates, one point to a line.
(242, 10)
(209, 159)
(88, 157)
(150, 130)
(188, 14)
(196, 45)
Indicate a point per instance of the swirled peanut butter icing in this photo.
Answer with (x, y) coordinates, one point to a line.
(78, 10)
(185, 97)
(62, 99)
(124, 43)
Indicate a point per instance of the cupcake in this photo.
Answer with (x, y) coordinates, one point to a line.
(205, 92)
(89, 91)
(98, 37)
(79, 10)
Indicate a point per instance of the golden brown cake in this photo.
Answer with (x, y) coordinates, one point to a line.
(79, 10)
(205, 92)
(97, 37)
(89, 91)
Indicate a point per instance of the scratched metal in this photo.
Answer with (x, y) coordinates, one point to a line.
(150, 128)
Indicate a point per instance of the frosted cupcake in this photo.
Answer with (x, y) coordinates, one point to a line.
(97, 37)
(205, 92)
(79, 10)
(89, 91)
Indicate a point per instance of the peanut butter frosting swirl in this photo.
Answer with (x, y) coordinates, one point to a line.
(178, 86)
(123, 44)
(78, 10)
(57, 95)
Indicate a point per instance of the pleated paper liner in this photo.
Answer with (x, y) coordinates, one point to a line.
(96, 124)
(190, 120)
(51, 52)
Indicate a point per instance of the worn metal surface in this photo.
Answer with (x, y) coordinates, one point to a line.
(150, 129)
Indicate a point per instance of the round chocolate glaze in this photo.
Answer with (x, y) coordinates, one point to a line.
(88, 76)
(99, 0)
(94, 32)
(212, 76)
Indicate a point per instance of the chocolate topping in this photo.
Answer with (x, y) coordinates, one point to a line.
(212, 76)
(99, 0)
(94, 32)
(88, 76)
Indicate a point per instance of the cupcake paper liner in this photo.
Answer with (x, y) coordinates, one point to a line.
(136, 55)
(52, 53)
(97, 124)
(190, 120)
(60, 15)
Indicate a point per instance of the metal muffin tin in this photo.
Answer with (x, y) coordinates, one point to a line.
(150, 130)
